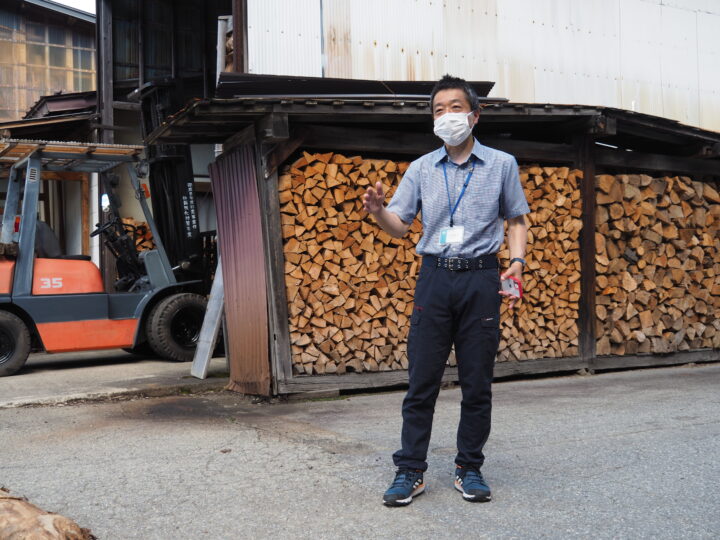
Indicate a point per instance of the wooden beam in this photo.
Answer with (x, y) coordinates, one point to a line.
(282, 151)
(532, 150)
(655, 163)
(586, 316)
(273, 127)
(416, 144)
(105, 68)
(240, 39)
(244, 136)
(70, 176)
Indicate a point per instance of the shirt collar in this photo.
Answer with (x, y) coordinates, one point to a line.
(478, 150)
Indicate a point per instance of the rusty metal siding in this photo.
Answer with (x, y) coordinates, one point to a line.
(657, 57)
(240, 237)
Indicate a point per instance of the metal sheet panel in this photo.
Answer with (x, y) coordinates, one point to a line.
(700, 6)
(679, 65)
(640, 67)
(240, 236)
(284, 38)
(708, 27)
(650, 56)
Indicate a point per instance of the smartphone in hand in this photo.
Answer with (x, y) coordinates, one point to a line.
(512, 286)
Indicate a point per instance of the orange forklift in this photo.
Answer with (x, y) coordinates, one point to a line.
(59, 303)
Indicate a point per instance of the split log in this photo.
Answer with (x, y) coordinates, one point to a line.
(20, 519)
(544, 324)
(657, 265)
(350, 285)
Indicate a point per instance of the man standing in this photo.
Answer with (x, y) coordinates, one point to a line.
(465, 191)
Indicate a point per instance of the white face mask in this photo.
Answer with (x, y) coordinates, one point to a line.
(453, 128)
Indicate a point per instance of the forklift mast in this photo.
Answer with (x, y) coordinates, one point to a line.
(172, 182)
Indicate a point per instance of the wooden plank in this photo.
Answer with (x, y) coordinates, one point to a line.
(586, 315)
(279, 331)
(210, 327)
(359, 381)
(538, 366)
(684, 357)
(655, 162)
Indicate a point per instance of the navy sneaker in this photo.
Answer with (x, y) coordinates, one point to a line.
(470, 482)
(408, 483)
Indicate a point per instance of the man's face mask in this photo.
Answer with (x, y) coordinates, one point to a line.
(453, 128)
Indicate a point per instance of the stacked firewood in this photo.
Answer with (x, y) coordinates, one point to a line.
(142, 233)
(657, 264)
(350, 285)
(544, 324)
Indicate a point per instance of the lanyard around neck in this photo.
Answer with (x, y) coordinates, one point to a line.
(462, 192)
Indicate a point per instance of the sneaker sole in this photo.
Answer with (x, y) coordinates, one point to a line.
(404, 502)
(472, 498)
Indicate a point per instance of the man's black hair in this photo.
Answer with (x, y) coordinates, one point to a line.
(449, 82)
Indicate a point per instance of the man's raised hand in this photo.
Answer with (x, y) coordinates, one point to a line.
(374, 198)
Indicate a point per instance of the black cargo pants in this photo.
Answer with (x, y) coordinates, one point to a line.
(460, 308)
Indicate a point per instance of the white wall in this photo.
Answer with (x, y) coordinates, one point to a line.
(659, 57)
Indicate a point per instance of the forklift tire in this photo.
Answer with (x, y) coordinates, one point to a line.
(14, 343)
(174, 324)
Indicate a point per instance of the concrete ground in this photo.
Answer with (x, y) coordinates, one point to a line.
(620, 455)
(48, 379)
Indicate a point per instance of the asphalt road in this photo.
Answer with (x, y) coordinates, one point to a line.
(622, 455)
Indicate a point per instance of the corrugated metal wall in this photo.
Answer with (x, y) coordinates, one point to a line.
(654, 56)
(234, 184)
(284, 37)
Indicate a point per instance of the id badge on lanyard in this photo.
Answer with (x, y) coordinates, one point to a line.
(454, 234)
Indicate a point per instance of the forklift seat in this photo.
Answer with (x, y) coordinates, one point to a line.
(47, 245)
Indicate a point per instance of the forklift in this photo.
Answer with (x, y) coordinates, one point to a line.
(59, 303)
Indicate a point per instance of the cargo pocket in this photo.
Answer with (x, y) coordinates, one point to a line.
(490, 322)
(491, 331)
(416, 316)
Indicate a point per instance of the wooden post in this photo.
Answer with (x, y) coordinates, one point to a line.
(586, 323)
(279, 330)
(105, 109)
(240, 43)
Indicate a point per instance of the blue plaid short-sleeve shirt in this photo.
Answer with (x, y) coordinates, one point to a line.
(493, 194)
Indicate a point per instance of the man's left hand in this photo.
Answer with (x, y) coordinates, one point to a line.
(515, 271)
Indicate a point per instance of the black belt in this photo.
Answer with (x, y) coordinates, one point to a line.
(458, 264)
